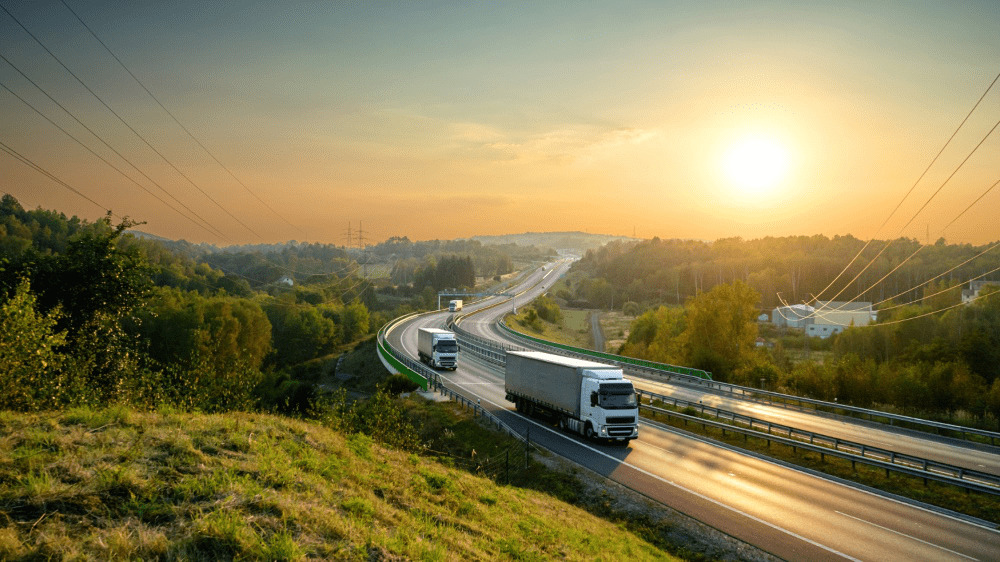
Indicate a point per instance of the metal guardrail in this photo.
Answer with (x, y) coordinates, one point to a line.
(428, 378)
(619, 360)
(788, 400)
(796, 444)
(885, 455)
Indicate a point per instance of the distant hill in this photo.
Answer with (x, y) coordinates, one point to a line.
(577, 241)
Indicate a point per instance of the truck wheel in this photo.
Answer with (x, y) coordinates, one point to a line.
(588, 431)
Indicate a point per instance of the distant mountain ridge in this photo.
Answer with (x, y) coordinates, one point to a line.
(579, 241)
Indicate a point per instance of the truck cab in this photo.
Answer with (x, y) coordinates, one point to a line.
(438, 348)
(608, 407)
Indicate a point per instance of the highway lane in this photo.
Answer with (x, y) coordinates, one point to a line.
(950, 451)
(792, 514)
(945, 451)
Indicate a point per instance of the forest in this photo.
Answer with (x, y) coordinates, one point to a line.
(926, 355)
(93, 314)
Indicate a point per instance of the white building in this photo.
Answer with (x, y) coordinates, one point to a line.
(794, 316)
(972, 293)
(833, 317)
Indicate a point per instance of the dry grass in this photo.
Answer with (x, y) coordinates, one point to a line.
(616, 327)
(573, 330)
(120, 484)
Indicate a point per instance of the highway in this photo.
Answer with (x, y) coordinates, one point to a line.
(785, 511)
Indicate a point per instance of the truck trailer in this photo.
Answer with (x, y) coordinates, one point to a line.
(438, 348)
(592, 399)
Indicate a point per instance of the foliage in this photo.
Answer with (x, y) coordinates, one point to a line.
(31, 354)
(654, 272)
(720, 328)
(715, 331)
(547, 309)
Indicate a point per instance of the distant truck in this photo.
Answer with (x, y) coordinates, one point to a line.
(592, 399)
(455, 305)
(438, 348)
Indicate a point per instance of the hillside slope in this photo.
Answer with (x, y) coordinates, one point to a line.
(117, 483)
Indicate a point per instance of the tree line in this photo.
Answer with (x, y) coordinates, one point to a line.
(932, 357)
(653, 272)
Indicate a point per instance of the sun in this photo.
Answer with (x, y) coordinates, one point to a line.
(755, 165)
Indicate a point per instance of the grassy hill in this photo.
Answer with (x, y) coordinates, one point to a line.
(117, 483)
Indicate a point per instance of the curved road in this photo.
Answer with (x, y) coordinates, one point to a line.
(790, 513)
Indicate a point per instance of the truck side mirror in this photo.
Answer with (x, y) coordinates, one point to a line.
(593, 399)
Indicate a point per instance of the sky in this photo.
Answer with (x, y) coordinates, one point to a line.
(455, 119)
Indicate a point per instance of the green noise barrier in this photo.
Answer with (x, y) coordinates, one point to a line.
(398, 365)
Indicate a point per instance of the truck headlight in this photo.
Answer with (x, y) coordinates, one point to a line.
(604, 431)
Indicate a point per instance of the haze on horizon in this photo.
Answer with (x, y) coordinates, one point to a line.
(444, 120)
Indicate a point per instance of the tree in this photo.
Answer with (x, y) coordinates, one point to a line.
(31, 357)
(721, 327)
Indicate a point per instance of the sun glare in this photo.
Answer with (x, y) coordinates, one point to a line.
(756, 165)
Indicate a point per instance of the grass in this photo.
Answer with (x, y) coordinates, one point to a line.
(983, 506)
(574, 329)
(616, 327)
(118, 483)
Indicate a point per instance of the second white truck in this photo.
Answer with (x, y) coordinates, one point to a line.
(438, 348)
(592, 399)
(455, 305)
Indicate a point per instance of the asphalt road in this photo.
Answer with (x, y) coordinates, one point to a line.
(790, 513)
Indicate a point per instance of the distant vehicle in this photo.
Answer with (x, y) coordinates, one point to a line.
(592, 399)
(455, 305)
(438, 348)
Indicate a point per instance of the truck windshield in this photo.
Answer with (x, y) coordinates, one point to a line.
(617, 396)
(447, 346)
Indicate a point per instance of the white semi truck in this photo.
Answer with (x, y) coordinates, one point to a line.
(592, 399)
(438, 348)
(455, 305)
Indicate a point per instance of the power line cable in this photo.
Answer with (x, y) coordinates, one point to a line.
(113, 149)
(922, 207)
(922, 246)
(917, 182)
(176, 120)
(81, 143)
(124, 122)
(28, 162)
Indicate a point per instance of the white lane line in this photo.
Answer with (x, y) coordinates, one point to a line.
(692, 492)
(907, 536)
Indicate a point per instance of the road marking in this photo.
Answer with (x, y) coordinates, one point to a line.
(670, 482)
(907, 536)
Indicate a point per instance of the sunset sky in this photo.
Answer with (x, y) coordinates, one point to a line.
(445, 120)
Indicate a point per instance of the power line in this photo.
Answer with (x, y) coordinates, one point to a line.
(124, 122)
(920, 210)
(176, 120)
(115, 168)
(28, 162)
(113, 149)
(910, 191)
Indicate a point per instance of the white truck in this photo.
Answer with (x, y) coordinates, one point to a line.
(592, 399)
(438, 348)
(455, 305)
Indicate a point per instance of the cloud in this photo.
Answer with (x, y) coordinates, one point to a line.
(564, 145)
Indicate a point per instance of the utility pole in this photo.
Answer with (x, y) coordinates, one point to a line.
(348, 234)
(361, 246)
(361, 237)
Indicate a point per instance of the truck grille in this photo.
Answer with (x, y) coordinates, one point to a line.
(622, 419)
(619, 431)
